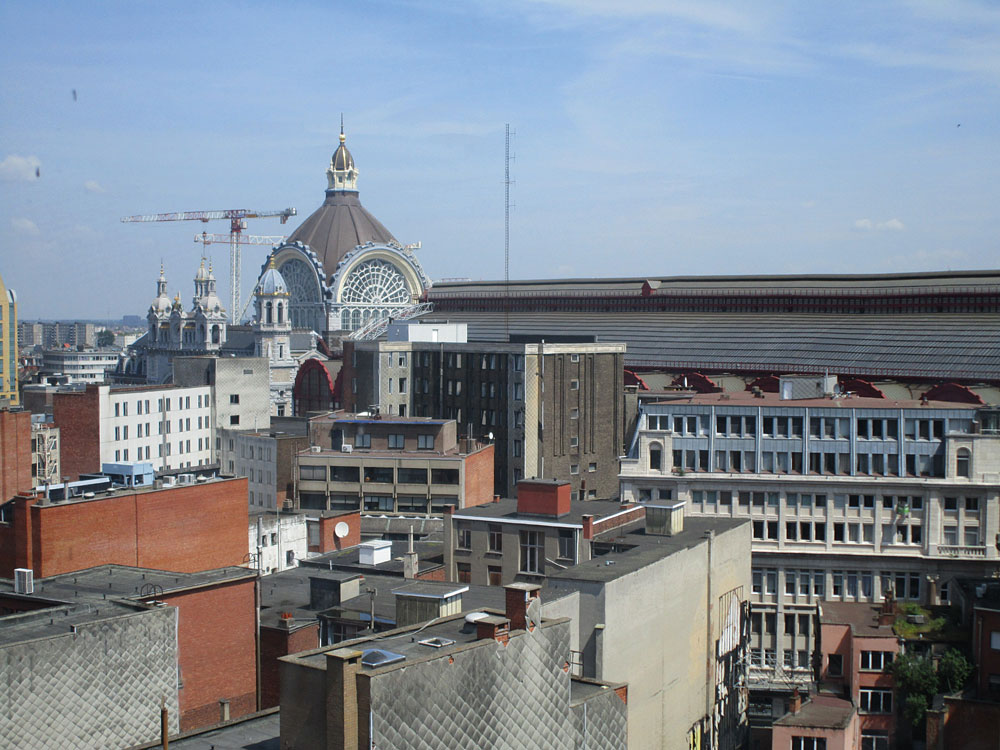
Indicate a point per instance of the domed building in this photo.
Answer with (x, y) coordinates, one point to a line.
(343, 268)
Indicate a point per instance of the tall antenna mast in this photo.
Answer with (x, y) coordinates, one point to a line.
(506, 233)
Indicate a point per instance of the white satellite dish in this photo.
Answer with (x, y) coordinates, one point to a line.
(341, 530)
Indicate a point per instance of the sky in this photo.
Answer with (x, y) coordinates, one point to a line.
(652, 137)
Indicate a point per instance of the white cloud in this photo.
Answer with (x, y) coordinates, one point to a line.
(93, 186)
(20, 168)
(25, 226)
(867, 225)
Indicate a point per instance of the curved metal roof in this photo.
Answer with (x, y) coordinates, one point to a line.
(337, 227)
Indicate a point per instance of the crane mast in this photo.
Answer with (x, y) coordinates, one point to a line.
(237, 223)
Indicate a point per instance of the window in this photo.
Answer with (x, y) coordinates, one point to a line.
(495, 537)
(463, 536)
(872, 739)
(532, 551)
(402, 385)
(494, 574)
(574, 385)
(464, 571)
(875, 661)
(444, 476)
(876, 701)
(567, 546)
(380, 474)
(835, 668)
(396, 441)
(233, 419)
(312, 472)
(995, 640)
(363, 440)
(656, 459)
(574, 468)
(574, 442)
(425, 442)
(234, 398)
(808, 743)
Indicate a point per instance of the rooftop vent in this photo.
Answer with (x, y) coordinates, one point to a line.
(376, 657)
(437, 642)
(375, 552)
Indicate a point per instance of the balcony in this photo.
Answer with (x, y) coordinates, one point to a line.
(966, 552)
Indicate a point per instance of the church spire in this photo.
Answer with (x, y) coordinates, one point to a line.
(342, 175)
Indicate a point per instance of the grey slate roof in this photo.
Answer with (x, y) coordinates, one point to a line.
(952, 346)
(337, 227)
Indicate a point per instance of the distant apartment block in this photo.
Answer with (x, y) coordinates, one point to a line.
(240, 388)
(554, 410)
(267, 460)
(849, 498)
(410, 465)
(71, 367)
(170, 427)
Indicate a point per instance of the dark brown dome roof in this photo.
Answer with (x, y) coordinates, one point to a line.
(337, 227)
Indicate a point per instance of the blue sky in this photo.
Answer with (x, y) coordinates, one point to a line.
(653, 137)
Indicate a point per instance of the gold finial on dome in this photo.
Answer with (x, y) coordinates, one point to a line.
(342, 136)
(272, 264)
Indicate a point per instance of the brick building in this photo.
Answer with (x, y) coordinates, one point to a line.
(267, 460)
(170, 427)
(186, 528)
(15, 453)
(410, 465)
(554, 410)
(201, 658)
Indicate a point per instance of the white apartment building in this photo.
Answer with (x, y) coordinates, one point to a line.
(170, 427)
(848, 497)
(89, 366)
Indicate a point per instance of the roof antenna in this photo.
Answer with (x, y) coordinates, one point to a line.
(341, 123)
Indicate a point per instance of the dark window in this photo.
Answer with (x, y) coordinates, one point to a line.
(464, 572)
(496, 537)
(532, 551)
(407, 475)
(378, 474)
(836, 666)
(495, 575)
(463, 536)
(444, 476)
(344, 473)
(567, 548)
(655, 459)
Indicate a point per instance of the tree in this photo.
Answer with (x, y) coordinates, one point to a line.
(916, 677)
(953, 670)
(106, 338)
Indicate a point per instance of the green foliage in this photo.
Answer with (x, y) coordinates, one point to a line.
(106, 338)
(915, 709)
(915, 675)
(953, 670)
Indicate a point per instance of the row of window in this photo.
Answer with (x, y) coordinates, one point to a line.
(378, 474)
(143, 452)
(768, 502)
(142, 406)
(828, 428)
(849, 584)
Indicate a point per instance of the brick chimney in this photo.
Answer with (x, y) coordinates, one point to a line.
(342, 667)
(588, 527)
(887, 613)
(493, 626)
(286, 621)
(518, 596)
(795, 704)
(543, 497)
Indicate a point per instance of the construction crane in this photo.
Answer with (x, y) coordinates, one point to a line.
(237, 223)
(207, 238)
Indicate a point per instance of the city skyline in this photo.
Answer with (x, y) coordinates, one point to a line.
(650, 137)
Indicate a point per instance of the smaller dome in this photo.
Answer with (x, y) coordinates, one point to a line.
(161, 304)
(202, 273)
(342, 159)
(272, 282)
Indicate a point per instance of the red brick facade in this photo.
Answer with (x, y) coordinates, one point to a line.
(185, 529)
(479, 470)
(216, 643)
(630, 514)
(543, 497)
(328, 540)
(77, 415)
(15, 453)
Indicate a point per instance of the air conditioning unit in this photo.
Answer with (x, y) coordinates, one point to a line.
(346, 448)
(169, 481)
(185, 478)
(316, 448)
(24, 581)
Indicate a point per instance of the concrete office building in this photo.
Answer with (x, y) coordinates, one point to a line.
(170, 427)
(554, 410)
(267, 460)
(664, 605)
(239, 388)
(849, 498)
(492, 679)
(409, 465)
(70, 367)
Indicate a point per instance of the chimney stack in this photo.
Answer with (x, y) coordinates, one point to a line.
(588, 526)
(495, 627)
(410, 561)
(795, 705)
(518, 597)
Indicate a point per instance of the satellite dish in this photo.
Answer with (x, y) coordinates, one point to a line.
(341, 530)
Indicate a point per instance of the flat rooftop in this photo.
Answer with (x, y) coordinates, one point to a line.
(452, 453)
(506, 510)
(62, 619)
(119, 491)
(746, 398)
(820, 712)
(643, 549)
(862, 617)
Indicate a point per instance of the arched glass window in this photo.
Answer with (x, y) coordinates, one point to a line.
(655, 457)
(345, 320)
(279, 313)
(268, 314)
(963, 462)
(355, 320)
(216, 335)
